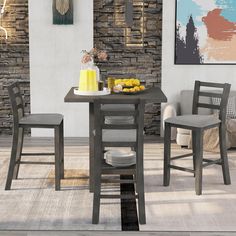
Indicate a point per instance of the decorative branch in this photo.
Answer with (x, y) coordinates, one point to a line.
(3, 7)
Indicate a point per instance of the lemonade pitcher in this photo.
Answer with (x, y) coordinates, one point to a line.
(88, 79)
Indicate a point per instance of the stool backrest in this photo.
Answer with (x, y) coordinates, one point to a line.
(223, 95)
(138, 122)
(16, 100)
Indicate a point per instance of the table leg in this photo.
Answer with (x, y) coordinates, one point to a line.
(91, 146)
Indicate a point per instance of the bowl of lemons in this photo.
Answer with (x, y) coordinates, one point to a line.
(130, 86)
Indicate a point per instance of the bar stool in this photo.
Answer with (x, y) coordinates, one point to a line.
(198, 124)
(22, 121)
(118, 135)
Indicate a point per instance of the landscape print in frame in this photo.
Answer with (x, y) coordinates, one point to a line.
(205, 32)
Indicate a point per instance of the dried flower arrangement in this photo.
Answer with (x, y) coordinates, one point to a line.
(94, 55)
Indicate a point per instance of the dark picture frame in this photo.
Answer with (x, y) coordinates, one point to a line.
(200, 41)
(62, 18)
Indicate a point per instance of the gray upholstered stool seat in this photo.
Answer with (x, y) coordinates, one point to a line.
(41, 119)
(113, 135)
(195, 121)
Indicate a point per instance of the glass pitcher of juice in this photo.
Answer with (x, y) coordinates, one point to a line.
(88, 80)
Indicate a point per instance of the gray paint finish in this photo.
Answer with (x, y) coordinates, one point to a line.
(101, 168)
(108, 233)
(197, 124)
(20, 123)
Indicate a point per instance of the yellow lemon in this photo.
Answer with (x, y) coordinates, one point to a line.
(118, 81)
(129, 83)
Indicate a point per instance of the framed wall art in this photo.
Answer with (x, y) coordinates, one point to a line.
(205, 32)
(62, 12)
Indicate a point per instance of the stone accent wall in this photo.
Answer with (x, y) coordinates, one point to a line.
(132, 51)
(14, 58)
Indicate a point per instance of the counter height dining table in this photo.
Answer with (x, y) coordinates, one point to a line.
(153, 94)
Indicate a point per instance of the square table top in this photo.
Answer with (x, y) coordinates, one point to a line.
(153, 94)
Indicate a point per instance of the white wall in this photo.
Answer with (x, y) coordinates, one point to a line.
(55, 54)
(178, 77)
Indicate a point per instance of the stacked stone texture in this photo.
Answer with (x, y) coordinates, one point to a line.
(142, 62)
(14, 59)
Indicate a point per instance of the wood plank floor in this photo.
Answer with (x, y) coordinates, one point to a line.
(71, 142)
(108, 233)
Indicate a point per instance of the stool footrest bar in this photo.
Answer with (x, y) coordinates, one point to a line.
(35, 162)
(211, 162)
(38, 154)
(181, 168)
(121, 181)
(123, 196)
(182, 156)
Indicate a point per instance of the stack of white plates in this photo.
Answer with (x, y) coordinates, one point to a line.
(118, 158)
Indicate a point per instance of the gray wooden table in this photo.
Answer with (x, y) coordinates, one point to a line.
(154, 95)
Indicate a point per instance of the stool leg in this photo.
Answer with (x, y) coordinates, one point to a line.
(198, 161)
(97, 189)
(19, 151)
(62, 151)
(140, 186)
(91, 146)
(57, 157)
(167, 149)
(193, 149)
(223, 154)
(13, 158)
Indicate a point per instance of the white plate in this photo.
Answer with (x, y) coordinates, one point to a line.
(92, 93)
(119, 158)
(120, 165)
(120, 153)
(124, 161)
